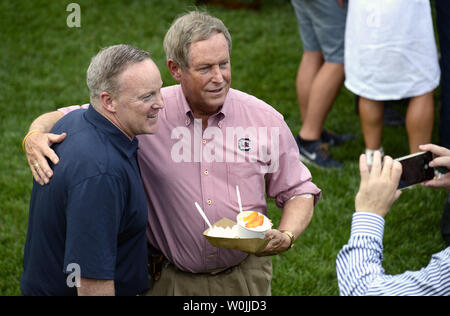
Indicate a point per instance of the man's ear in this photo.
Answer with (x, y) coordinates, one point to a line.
(175, 69)
(106, 100)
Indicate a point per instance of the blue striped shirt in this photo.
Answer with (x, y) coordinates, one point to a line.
(360, 272)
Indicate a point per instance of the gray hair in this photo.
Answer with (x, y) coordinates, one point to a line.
(107, 65)
(190, 28)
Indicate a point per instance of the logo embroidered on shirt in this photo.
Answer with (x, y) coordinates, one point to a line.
(244, 144)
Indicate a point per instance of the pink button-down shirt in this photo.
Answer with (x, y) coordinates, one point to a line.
(247, 143)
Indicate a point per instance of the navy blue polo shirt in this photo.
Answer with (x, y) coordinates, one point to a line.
(93, 213)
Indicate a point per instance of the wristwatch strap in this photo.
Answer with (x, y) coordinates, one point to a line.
(291, 236)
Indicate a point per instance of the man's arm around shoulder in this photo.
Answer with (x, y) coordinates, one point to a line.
(37, 145)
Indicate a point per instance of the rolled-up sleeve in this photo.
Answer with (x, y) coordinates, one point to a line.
(291, 178)
(68, 109)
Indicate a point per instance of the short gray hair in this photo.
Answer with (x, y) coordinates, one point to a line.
(108, 64)
(190, 28)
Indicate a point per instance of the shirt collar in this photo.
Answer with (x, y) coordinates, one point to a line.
(223, 112)
(116, 136)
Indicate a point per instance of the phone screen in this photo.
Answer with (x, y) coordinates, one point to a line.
(415, 169)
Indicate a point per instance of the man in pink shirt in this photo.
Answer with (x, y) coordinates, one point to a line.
(210, 139)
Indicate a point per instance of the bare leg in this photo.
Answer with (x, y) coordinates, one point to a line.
(324, 90)
(419, 120)
(371, 116)
(307, 71)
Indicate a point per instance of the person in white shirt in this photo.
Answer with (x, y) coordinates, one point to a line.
(359, 263)
(391, 54)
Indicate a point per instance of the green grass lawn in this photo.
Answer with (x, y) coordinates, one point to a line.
(42, 67)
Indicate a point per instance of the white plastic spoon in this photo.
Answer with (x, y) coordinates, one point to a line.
(203, 214)
(239, 198)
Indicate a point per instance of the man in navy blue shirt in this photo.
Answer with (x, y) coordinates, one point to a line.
(86, 232)
(443, 27)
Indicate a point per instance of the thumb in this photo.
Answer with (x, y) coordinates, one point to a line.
(397, 195)
(56, 138)
(270, 234)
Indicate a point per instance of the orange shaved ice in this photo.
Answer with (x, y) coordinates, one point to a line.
(253, 220)
(250, 217)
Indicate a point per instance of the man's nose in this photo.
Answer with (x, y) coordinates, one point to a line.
(217, 74)
(159, 104)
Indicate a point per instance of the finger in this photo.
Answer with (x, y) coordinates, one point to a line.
(435, 183)
(44, 170)
(38, 148)
(278, 242)
(36, 176)
(56, 138)
(39, 174)
(265, 252)
(52, 139)
(440, 161)
(363, 168)
(387, 167)
(397, 195)
(274, 241)
(271, 246)
(270, 235)
(396, 173)
(32, 160)
(40, 155)
(37, 167)
(435, 149)
(376, 164)
(443, 182)
(50, 154)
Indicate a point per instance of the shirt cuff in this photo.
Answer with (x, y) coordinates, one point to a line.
(367, 224)
(305, 195)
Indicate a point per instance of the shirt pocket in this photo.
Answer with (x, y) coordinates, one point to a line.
(250, 179)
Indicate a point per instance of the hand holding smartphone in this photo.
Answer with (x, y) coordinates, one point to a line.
(416, 169)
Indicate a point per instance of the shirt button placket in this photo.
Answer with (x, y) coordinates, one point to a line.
(207, 193)
(206, 181)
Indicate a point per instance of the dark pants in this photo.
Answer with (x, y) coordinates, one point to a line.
(443, 25)
(445, 222)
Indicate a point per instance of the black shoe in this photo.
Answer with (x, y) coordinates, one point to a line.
(317, 154)
(333, 139)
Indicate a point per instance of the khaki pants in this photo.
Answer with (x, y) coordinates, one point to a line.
(250, 278)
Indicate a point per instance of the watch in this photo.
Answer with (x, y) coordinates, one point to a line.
(291, 236)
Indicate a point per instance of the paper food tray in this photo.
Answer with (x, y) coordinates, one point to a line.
(250, 245)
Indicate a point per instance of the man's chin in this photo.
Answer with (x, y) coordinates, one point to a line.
(152, 130)
(216, 102)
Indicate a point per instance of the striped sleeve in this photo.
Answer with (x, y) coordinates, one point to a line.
(360, 271)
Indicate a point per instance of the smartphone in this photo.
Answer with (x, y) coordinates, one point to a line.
(415, 169)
